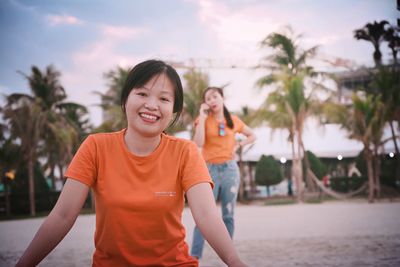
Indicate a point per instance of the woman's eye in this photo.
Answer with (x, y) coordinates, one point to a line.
(164, 99)
(141, 94)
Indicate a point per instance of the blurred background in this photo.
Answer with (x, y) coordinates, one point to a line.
(317, 80)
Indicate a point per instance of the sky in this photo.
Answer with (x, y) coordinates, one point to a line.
(85, 39)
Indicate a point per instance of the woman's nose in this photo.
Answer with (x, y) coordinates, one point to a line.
(151, 103)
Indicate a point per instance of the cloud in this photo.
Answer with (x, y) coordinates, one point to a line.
(55, 20)
(237, 31)
(90, 63)
(122, 32)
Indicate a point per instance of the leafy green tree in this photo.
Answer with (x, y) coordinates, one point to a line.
(268, 172)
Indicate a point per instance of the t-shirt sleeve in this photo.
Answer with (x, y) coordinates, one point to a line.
(83, 166)
(194, 169)
(239, 124)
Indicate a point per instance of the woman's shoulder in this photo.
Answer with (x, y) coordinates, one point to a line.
(235, 117)
(105, 137)
(176, 139)
(181, 142)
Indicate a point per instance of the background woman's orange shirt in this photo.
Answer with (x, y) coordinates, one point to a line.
(216, 148)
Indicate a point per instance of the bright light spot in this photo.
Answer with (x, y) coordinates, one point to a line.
(283, 160)
(339, 157)
(391, 154)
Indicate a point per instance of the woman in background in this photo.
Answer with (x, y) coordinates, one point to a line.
(215, 130)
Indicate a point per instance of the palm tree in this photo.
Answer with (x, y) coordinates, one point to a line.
(195, 84)
(287, 107)
(25, 117)
(9, 159)
(365, 121)
(250, 118)
(61, 133)
(374, 33)
(113, 117)
(392, 36)
(39, 124)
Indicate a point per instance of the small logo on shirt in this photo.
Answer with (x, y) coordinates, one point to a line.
(165, 194)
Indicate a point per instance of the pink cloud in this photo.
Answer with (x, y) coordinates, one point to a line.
(55, 20)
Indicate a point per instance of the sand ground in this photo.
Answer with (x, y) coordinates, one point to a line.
(333, 233)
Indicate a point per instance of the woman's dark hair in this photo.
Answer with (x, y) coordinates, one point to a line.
(227, 114)
(144, 72)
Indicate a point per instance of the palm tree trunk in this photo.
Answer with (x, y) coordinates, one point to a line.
(292, 174)
(31, 181)
(377, 56)
(7, 196)
(371, 187)
(397, 170)
(60, 169)
(53, 178)
(300, 190)
(377, 173)
(394, 137)
(310, 182)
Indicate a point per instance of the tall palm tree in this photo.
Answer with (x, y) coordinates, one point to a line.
(374, 33)
(60, 133)
(287, 107)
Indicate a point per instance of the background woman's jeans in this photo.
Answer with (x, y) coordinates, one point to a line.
(226, 179)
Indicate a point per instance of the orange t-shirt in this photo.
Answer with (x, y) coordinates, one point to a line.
(218, 149)
(139, 200)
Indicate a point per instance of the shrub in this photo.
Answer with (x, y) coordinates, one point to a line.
(268, 171)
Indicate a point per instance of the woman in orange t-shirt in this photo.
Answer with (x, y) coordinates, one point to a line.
(139, 177)
(215, 131)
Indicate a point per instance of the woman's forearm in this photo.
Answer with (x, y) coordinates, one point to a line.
(57, 224)
(210, 223)
(214, 231)
(199, 132)
(50, 233)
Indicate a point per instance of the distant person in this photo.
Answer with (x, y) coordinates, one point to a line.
(139, 176)
(289, 185)
(215, 130)
(326, 180)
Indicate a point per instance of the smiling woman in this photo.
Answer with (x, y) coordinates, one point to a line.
(139, 176)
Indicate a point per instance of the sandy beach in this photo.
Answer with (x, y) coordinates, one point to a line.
(334, 233)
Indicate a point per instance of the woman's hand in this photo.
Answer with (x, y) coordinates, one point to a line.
(238, 146)
(204, 108)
